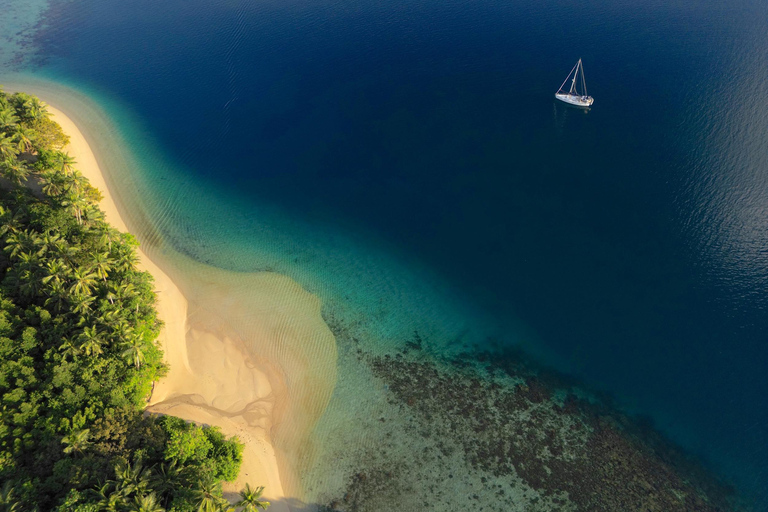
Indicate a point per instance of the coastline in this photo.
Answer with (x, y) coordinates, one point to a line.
(243, 358)
(260, 367)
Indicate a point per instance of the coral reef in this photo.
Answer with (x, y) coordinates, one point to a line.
(511, 436)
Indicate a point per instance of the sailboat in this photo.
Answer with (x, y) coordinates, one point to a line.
(572, 95)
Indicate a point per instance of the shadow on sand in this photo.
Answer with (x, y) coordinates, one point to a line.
(286, 505)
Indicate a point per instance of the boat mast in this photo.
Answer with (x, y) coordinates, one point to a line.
(575, 76)
(583, 80)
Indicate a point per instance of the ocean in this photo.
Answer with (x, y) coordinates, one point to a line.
(406, 162)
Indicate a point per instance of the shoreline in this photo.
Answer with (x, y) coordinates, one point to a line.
(171, 304)
(256, 401)
(260, 367)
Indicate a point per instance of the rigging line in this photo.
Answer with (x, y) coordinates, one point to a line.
(566, 78)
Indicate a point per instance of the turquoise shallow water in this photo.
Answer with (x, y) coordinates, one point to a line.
(406, 163)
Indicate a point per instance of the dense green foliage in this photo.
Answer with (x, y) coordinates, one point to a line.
(78, 352)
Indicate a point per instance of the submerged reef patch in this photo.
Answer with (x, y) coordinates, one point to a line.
(495, 432)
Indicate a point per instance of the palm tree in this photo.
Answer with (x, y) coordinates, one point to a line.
(109, 317)
(110, 295)
(108, 499)
(208, 496)
(11, 220)
(169, 477)
(47, 240)
(134, 350)
(125, 291)
(28, 260)
(18, 242)
(77, 204)
(121, 330)
(64, 162)
(69, 348)
(35, 108)
(66, 252)
(8, 120)
(29, 107)
(27, 270)
(57, 297)
(77, 182)
(108, 235)
(81, 304)
(23, 141)
(8, 500)
(15, 171)
(83, 281)
(29, 284)
(101, 265)
(94, 214)
(76, 441)
(126, 258)
(8, 149)
(53, 183)
(90, 341)
(56, 271)
(131, 480)
(250, 499)
(147, 504)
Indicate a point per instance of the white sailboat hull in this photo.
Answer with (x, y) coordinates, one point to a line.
(575, 99)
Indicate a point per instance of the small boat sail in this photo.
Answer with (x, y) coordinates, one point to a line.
(572, 95)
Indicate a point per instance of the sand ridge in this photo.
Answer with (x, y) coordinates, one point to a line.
(249, 353)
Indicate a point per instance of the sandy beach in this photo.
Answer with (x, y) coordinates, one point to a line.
(248, 353)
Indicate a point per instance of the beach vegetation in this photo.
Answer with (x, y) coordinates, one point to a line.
(250, 499)
(78, 348)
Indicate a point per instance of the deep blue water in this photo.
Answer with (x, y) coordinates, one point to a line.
(631, 240)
